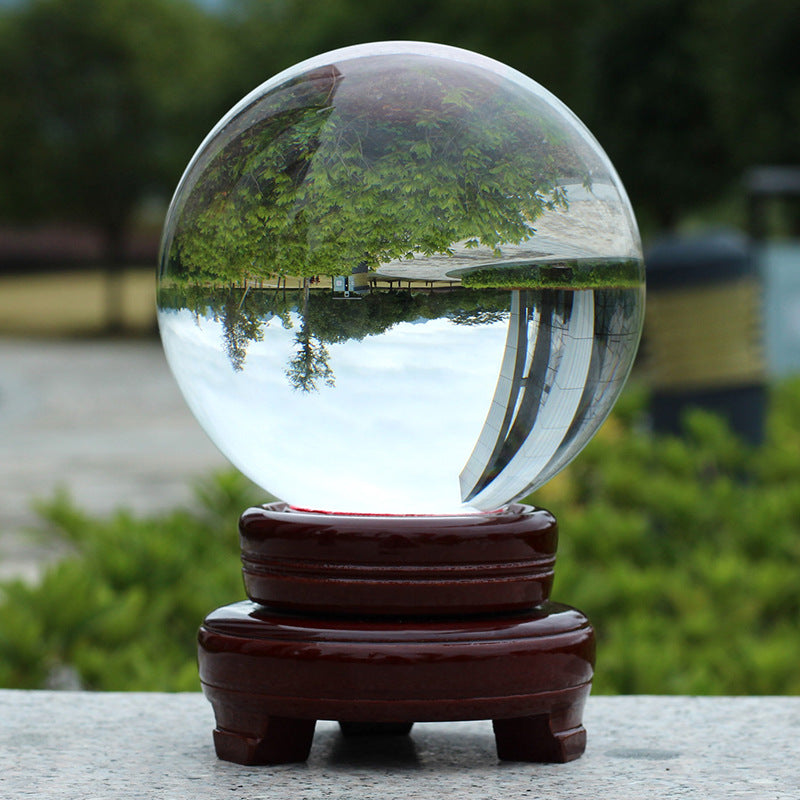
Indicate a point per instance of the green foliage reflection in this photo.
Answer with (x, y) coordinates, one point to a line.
(363, 163)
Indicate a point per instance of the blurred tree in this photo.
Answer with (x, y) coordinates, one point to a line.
(646, 102)
(539, 38)
(103, 102)
(752, 77)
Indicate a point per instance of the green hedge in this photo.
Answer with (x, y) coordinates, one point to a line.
(683, 552)
(122, 611)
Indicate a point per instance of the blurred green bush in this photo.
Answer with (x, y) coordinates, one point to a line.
(122, 611)
(684, 553)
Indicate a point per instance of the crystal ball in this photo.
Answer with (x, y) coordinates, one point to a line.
(400, 278)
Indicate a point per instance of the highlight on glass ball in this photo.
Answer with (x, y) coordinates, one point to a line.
(400, 278)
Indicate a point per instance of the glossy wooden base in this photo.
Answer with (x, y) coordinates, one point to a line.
(271, 675)
(378, 565)
(311, 645)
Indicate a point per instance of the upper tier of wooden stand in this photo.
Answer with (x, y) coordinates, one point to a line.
(388, 565)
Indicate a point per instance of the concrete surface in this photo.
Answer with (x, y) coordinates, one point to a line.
(151, 746)
(102, 419)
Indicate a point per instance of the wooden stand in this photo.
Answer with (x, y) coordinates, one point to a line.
(379, 622)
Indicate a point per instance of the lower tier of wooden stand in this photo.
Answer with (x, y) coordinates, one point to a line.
(270, 676)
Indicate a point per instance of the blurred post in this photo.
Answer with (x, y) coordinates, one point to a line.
(773, 202)
(703, 332)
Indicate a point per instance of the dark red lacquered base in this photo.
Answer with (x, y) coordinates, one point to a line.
(356, 619)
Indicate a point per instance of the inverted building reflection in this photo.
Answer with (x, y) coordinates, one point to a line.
(559, 373)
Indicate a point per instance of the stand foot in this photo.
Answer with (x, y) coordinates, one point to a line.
(282, 741)
(376, 728)
(541, 738)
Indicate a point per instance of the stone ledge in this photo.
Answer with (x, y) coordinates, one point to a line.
(132, 746)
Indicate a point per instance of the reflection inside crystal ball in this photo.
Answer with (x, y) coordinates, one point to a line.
(400, 278)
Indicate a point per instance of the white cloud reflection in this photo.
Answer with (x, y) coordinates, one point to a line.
(393, 434)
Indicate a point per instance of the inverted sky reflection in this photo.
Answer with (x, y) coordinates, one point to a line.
(391, 436)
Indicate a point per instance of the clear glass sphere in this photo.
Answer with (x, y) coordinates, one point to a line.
(400, 278)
